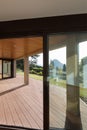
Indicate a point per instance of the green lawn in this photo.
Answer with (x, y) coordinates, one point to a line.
(61, 83)
(83, 92)
(18, 71)
(36, 76)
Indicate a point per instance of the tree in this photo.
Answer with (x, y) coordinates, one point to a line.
(20, 64)
(34, 68)
(64, 67)
(33, 60)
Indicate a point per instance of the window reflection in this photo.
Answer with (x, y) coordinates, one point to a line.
(6, 69)
(0, 69)
(68, 84)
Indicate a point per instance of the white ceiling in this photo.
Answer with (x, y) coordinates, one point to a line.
(25, 9)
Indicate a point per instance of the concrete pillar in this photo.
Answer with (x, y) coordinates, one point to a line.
(73, 108)
(85, 72)
(72, 77)
(26, 71)
(14, 66)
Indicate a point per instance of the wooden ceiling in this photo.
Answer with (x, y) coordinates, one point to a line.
(15, 48)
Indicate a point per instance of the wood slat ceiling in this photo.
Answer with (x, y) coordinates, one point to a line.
(15, 48)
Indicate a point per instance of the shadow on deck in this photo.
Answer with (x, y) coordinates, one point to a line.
(24, 106)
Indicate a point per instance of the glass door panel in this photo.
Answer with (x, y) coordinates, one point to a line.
(6, 68)
(57, 81)
(0, 69)
(83, 81)
(68, 81)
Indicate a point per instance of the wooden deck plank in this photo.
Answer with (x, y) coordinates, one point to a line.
(24, 106)
(2, 115)
(27, 112)
(17, 120)
(27, 103)
(31, 101)
(21, 115)
(9, 83)
(9, 119)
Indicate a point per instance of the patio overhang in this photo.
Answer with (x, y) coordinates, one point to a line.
(14, 48)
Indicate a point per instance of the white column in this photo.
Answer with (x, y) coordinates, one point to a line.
(72, 77)
(26, 70)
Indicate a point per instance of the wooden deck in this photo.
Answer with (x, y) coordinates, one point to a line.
(24, 106)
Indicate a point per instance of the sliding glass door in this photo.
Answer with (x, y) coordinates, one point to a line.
(0, 69)
(6, 68)
(57, 81)
(68, 81)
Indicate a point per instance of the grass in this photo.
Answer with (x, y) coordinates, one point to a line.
(61, 83)
(30, 75)
(36, 76)
(83, 92)
(19, 72)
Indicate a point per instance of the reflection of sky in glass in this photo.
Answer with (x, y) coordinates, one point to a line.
(40, 59)
(59, 54)
(82, 50)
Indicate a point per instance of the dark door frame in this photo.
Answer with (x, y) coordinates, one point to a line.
(44, 27)
(11, 60)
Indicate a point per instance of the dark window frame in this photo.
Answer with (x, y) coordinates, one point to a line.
(11, 60)
(44, 27)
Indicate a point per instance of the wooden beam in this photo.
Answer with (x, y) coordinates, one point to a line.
(36, 26)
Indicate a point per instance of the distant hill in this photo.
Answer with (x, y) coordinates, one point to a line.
(58, 64)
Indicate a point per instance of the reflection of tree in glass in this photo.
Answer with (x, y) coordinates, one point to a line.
(33, 60)
(51, 66)
(34, 67)
(64, 67)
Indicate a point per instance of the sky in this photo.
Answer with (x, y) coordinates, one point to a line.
(60, 54)
(82, 50)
